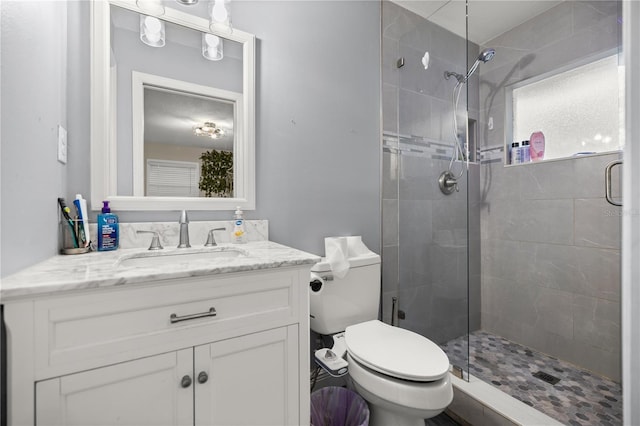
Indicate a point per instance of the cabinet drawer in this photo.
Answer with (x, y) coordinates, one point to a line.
(87, 330)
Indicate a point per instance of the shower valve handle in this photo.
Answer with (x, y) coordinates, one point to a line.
(448, 183)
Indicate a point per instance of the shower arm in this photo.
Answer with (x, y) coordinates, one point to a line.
(462, 78)
(449, 74)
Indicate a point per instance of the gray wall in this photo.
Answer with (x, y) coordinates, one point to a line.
(33, 85)
(317, 138)
(425, 239)
(550, 242)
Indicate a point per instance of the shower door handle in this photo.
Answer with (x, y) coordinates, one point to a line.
(607, 181)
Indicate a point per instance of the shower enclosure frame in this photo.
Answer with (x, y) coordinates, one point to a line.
(631, 217)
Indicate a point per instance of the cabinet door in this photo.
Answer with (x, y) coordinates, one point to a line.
(252, 380)
(147, 391)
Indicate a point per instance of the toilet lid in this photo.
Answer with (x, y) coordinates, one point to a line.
(396, 352)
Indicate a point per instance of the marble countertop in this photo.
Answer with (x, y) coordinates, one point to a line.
(106, 269)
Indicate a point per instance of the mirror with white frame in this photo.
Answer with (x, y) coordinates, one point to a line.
(170, 129)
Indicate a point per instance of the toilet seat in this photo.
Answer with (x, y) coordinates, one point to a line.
(396, 352)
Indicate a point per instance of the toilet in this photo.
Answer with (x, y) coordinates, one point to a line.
(403, 376)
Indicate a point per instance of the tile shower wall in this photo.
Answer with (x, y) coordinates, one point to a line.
(425, 239)
(550, 242)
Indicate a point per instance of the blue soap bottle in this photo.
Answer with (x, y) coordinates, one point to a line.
(107, 229)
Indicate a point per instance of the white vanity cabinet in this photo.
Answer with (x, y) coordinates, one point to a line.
(141, 392)
(228, 349)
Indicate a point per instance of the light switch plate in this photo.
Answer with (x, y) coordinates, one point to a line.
(62, 144)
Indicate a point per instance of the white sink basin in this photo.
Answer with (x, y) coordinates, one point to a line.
(159, 258)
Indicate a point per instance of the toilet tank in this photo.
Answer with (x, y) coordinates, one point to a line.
(336, 303)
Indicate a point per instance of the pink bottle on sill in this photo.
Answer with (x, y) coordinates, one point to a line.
(536, 146)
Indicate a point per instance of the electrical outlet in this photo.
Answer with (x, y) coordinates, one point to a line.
(62, 144)
(490, 123)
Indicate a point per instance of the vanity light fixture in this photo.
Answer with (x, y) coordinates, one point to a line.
(151, 7)
(219, 16)
(212, 47)
(151, 31)
(209, 129)
(188, 2)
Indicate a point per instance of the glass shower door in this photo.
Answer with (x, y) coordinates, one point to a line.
(550, 242)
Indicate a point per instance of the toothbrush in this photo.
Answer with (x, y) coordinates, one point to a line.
(65, 213)
(79, 224)
(81, 206)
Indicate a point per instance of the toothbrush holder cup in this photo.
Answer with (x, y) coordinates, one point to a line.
(72, 238)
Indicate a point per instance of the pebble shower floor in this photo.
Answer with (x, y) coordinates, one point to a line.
(579, 398)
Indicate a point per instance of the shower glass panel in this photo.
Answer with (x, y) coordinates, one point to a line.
(425, 232)
(548, 331)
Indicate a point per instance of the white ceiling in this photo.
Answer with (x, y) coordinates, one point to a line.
(487, 18)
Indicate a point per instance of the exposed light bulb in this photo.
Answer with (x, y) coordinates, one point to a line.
(154, 7)
(219, 16)
(219, 11)
(152, 27)
(212, 47)
(212, 40)
(151, 31)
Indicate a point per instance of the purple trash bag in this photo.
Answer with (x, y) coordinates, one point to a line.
(335, 406)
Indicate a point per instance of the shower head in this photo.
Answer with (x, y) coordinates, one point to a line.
(485, 56)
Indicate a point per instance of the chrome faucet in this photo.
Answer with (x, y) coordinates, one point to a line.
(211, 240)
(155, 241)
(184, 230)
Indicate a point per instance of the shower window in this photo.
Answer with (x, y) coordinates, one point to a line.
(578, 109)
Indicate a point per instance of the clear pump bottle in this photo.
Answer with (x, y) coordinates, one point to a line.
(239, 235)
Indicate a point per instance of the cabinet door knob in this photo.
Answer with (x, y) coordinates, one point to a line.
(186, 382)
(203, 377)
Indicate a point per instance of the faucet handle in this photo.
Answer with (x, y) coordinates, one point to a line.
(211, 240)
(183, 217)
(155, 241)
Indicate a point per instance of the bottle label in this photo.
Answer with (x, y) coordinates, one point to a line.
(107, 233)
(238, 231)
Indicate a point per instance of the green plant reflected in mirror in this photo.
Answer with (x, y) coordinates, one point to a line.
(216, 177)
